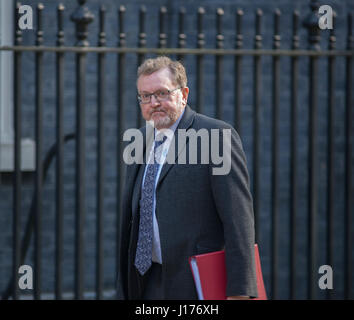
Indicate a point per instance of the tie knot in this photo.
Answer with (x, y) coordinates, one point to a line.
(159, 140)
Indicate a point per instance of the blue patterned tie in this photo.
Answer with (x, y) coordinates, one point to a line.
(144, 245)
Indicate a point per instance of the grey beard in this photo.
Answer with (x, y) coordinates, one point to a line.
(170, 118)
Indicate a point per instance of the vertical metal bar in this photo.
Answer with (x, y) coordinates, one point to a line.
(162, 34)
(82, 17)
(330, 150)
(257, 120)
(17, 198)
(200, 61)
(293, 154)
(100, 156)
(219, 66)
(39, 167)
(80, 173)
(120, 120)
(312, 24)
(141, 56)
(275, 154)
(60, 156)
(312, 171)
(348, 241)
(238, 71)
(181, 35)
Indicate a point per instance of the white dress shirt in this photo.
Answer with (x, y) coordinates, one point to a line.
(161, 157)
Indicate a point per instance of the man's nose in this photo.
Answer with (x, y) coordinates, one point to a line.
(154, 101)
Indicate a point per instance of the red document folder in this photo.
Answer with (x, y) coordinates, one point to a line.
(209, 275)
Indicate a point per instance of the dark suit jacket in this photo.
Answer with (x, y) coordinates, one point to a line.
(197, 212)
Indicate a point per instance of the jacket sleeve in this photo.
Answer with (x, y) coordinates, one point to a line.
(233, 200)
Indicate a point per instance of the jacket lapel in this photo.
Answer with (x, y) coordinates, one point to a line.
(138, 167)
(173, 153)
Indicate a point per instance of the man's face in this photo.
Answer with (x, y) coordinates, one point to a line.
(162, 113)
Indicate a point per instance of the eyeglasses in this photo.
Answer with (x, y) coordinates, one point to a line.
(160, 95)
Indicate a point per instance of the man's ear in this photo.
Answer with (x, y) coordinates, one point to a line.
(185, 92)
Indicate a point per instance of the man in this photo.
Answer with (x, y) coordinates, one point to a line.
(171, 211)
